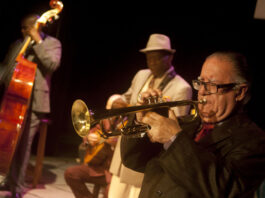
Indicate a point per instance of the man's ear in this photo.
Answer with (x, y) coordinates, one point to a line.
(241, 92)
(170, 59)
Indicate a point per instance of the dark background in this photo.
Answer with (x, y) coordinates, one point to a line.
(101, 50)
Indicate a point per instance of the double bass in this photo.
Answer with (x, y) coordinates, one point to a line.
(16, 97)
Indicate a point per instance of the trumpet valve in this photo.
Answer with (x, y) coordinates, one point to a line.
(203, 101)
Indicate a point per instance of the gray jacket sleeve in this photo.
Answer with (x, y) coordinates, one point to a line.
(49, 54)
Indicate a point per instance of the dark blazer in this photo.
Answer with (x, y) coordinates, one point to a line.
(229, 162)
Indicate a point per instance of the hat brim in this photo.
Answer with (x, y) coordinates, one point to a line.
(172, 51)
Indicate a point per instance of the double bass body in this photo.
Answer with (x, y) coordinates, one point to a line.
(13, 109)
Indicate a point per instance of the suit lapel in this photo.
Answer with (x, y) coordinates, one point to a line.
(217, 135)
(190, 128)
(142, 81)
(221, 132)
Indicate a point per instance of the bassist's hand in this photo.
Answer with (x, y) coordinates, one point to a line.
(33, 33)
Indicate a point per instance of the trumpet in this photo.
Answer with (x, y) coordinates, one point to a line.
(83, 119)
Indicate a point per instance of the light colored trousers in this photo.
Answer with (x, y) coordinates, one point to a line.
(122, 190)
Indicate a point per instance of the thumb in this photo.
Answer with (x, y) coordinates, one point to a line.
(172, 115)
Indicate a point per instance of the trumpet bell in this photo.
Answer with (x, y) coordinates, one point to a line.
(80, 118)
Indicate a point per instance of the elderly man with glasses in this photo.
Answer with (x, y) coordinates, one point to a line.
(220, 154)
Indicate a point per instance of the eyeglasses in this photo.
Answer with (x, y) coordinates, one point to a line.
(212, 88)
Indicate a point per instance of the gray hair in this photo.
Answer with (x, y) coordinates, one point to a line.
(241, 68)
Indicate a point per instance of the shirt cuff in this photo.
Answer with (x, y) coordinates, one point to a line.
(167, 144)
(40, 41)
(112, 99)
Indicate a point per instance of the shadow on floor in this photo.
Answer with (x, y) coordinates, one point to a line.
(47, 176)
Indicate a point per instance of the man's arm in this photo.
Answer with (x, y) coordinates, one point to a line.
(136, 152)
(49, 53)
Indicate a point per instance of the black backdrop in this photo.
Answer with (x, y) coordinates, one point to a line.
(101, 51)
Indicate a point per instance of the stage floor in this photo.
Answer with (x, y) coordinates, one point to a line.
(52, 183)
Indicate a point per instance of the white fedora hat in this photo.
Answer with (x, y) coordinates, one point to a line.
(158, 42)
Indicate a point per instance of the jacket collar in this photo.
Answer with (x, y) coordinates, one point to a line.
(223, 130)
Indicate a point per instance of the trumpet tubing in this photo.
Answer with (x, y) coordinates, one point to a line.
(83, 119)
